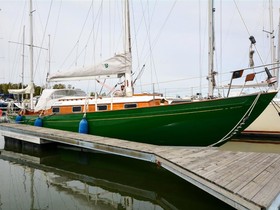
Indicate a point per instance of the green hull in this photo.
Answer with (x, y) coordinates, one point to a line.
(199, 123)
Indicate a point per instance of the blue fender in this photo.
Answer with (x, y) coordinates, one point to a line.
(83, 126)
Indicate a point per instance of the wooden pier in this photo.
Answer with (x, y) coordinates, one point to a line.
(244, 180)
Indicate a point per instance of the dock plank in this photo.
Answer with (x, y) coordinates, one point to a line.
(171, 152)
(269, 192)
(252, 174)
(241, 170)
(227, 169)
(266, 182)
(212, 162)
(215, 166)
(189, 157)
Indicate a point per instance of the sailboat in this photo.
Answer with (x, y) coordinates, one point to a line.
(143, 117)
(30, 89)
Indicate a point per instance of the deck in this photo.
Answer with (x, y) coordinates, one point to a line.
(244, 180)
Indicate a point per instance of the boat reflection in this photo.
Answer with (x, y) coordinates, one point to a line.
(74, 179)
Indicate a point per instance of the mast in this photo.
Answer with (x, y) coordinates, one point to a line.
(278, 54)
(22, 70)
(31, 56)
(127, 48)
(49, 62)
(211, 48)
(275, 67)
(271, 34)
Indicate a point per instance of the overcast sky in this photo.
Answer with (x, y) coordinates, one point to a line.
(169, 37)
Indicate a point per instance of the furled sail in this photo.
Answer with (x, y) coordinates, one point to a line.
(115, 66)
(28, 89)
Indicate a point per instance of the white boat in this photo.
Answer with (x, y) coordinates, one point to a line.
(268, 123)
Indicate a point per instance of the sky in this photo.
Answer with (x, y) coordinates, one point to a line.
(169, 37)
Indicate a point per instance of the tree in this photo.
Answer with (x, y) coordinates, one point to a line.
(59, 86)
(38, 90)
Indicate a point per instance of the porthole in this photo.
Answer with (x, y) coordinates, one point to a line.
(129, 106)
(55, 109)
(101, 107)
(76, 109)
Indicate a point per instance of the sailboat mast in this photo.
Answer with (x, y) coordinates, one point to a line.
(31, 55)
(211, 48)
(127, 41)
(278, 54)
(127, 48)
(22, 70)
(271, 33)
(49, 62)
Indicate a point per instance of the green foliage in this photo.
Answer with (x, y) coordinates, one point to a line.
(59, 86)
(38, 90)
(4, 87)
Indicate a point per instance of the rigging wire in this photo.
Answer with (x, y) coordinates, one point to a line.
(136, 45)
(91, 34)
(276, 106)
(79, 37)
(154, 42)
(136, 32)
(56, 25)
(247, 30)
(163, 25)
(253, 68)
(117, 16)
(12, 72)
(147, 24)
(44, 34)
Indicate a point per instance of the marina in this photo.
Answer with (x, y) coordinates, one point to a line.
(130, 136)
(243, 180)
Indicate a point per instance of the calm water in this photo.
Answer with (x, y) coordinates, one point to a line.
(59, 178)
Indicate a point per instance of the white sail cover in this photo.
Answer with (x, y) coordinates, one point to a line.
(50, 96)
(29, 89)
(119, 64)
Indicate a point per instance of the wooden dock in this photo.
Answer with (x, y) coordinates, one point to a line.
(244, 180)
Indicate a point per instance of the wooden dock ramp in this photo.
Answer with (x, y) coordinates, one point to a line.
(244, 180)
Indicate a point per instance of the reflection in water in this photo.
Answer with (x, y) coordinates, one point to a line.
(59, 178)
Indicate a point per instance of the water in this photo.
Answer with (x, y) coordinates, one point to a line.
(59, 178)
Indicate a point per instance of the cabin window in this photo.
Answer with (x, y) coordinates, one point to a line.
(129, 106)
(101, 107)
(62, 93)
(76, 109)
(55, 110)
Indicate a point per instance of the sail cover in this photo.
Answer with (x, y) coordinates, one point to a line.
(115, 66)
